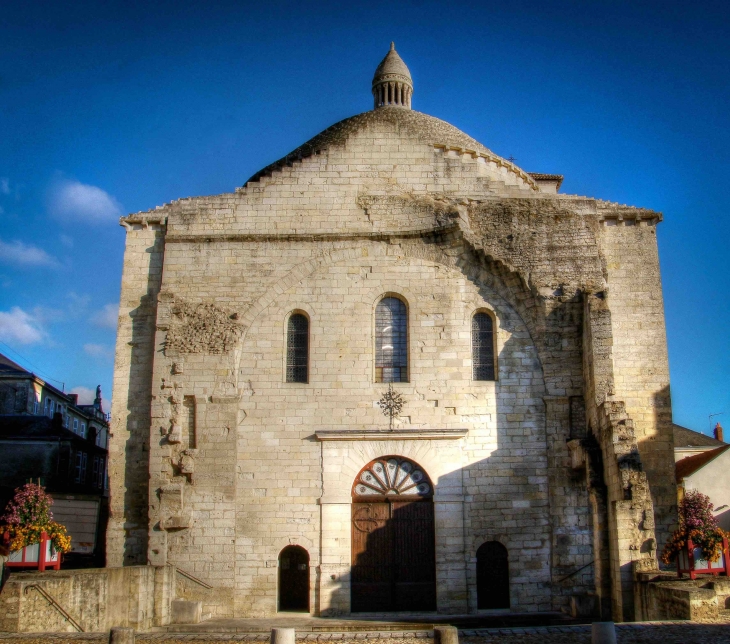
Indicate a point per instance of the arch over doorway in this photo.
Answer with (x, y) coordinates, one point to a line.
(393, 538)
(294, 579)
(492, 576)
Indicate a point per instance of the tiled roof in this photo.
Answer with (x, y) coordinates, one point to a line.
(684, 437)
(8, 367)
(688, 466)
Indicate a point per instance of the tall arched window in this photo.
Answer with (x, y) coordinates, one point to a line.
(297, 348)
(482, 346)
(391, 341)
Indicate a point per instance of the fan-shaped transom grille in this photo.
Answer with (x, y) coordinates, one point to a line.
(392, 475)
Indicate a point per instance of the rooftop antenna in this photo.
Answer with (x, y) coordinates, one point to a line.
(711, 416)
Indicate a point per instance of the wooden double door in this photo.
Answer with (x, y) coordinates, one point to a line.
(393, 556)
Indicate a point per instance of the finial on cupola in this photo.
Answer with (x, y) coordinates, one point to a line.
(392, 83)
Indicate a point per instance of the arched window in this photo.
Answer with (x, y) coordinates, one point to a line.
(391, 341)
(297, 348)
(482, 346)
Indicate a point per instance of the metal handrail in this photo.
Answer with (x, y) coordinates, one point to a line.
(55, 605)
(575, 572)
(185, 573)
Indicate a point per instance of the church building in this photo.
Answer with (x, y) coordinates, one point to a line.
(394, 372)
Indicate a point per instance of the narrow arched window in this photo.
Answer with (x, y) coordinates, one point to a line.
(297, 348)
(391, 341)
(482, 346)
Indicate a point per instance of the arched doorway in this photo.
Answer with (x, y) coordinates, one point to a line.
(393, 546)
(492, 576)
(294, 579)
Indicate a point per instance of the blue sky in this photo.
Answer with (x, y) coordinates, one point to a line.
(108, 108)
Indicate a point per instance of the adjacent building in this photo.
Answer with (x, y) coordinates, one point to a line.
(47, 437)
(703, 464)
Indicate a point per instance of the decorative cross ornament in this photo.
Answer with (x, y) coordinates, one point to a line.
(391, 403)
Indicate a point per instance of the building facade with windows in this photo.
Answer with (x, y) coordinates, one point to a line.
(393, 372)
(47, 437)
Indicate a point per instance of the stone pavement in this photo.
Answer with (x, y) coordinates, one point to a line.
(630, 633)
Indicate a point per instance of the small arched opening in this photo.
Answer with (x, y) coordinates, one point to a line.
(294, 579)
(492, 576)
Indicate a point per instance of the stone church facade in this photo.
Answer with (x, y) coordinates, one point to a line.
(522, 331)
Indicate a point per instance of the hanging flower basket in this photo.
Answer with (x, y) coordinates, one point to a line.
(29, 532)
(691, 561)
(699, 545)
(40, 555)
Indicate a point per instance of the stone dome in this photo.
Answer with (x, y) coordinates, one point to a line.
(427, 128)
(392, 82)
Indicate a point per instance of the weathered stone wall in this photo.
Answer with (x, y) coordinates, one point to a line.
(236, 469)
(97, 599)
(131, 396)
(641, 365)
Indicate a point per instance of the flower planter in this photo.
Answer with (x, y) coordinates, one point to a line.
(690, 562)
(40, 555)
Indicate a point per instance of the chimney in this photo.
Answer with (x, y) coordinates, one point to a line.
(718, 432)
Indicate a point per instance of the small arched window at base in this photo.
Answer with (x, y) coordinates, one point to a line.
(482, 346)
(297, 348)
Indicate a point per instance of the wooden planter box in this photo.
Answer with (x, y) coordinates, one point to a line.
(690, 562)
(40, 555)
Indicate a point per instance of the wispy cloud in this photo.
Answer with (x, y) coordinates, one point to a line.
(4, 185)
(67, 241)
(100, 351)
(78, 302)
(17, 253)
(107, 317)
(86, 395)
(72, 200)
(20, 326)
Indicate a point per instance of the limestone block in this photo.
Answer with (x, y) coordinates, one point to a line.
(185, 612)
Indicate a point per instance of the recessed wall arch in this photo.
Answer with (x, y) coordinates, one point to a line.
(520, 299)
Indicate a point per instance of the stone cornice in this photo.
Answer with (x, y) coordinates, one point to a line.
(173, 238)
(389, 434)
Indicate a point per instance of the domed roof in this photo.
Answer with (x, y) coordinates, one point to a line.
(392, 64)
(427, 128)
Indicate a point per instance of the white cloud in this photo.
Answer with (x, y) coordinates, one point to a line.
(73, 200)
(5, 185)
(78, 302)
(99, 351)
(19, 254)
(86, 395)
(18, 326)
(107, 317)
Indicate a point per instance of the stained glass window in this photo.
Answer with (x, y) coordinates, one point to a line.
(391, 341)
(297, 349)
(482, 346)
